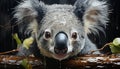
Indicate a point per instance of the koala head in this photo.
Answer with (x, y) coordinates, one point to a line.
(61, 30)
(61, 33)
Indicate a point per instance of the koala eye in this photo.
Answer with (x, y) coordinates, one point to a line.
(47, 34)
(74, 35)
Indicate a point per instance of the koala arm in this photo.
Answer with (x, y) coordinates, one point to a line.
(23, 51)
(33, 49)
(89, 46)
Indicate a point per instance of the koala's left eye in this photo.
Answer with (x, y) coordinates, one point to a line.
(74, 35)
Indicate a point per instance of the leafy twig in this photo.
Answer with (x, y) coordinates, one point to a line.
(107, 44)
(14, 50)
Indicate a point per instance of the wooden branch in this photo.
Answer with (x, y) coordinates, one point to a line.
(83, 61)
(95, 61)
(13, 62)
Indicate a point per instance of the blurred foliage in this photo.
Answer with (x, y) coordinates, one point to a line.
(25, 63)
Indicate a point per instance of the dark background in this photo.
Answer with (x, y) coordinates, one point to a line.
(6, 23)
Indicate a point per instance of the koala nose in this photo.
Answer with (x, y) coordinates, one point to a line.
(61, 43)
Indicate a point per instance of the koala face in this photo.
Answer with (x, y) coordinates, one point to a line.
(62, 34)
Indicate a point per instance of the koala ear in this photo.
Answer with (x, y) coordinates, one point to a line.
(29, 9)
(28, 14)
(94, 14)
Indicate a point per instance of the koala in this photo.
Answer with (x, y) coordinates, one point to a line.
(61, 31)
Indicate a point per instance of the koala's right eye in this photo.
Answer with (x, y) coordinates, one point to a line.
(47, 34)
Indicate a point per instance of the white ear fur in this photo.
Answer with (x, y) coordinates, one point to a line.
(24, 9)
(26, 13)
(94, 14)
(29, 8)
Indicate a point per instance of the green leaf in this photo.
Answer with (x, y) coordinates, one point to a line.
(115, 49)
(26, 64)
(116, 42)
(115, 46)
(27, 42)
(18, 41)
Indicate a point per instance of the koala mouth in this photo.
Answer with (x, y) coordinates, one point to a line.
(60, 56)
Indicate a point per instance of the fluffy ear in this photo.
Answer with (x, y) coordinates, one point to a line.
(28, 14)
(94, 14)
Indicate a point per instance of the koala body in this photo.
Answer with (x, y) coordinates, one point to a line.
(60, 31)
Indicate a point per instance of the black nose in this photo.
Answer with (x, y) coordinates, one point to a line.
(61, 43)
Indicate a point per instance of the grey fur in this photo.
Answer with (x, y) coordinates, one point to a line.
(39, 17)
